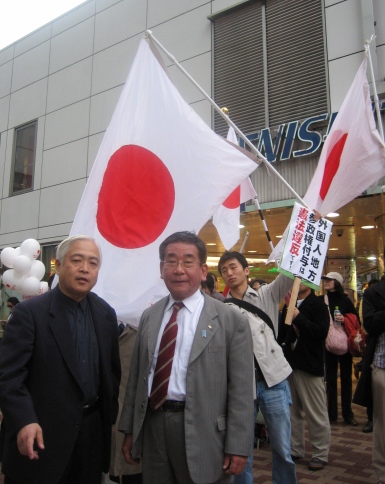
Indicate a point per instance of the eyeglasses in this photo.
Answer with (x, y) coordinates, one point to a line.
(173, 263)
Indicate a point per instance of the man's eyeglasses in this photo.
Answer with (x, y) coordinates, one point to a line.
(173, 263)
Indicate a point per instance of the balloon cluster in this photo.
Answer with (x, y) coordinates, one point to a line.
(25, 272)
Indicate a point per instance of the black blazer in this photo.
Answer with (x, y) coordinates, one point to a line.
(40, 382)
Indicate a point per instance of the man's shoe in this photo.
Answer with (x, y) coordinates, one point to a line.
(352, 421)
(368, 427)
(296, 457)
(316, 464)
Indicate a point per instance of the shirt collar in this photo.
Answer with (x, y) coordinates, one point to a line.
(70, 303)
(190, 302)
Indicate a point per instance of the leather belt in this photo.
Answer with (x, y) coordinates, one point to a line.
(172, 406)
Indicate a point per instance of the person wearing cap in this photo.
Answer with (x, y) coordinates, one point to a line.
(337, 298)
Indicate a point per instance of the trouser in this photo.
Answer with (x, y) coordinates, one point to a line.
(378, 386)
(309, 400)
(164, 450)
(331, 363)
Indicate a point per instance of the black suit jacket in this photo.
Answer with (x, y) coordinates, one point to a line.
(40, 382)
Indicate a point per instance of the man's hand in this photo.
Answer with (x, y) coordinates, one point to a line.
(126, 449)
(26, 438)
(234, 464)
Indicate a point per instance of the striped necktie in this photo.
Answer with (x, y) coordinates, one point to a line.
(164, 362)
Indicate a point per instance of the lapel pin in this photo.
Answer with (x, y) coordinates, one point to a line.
(204, 333)
(210, 327)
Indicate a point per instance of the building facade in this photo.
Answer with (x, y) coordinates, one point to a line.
(281, 67)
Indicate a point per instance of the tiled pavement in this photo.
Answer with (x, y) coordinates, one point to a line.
(350, 456)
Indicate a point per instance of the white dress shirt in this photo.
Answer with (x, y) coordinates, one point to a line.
(187, 321)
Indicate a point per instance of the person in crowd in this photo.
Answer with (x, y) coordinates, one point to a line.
(357, 367)
(272, 395)
(59, 376)
(188, 410)
(210, 285)
(120, 471)
(337, 298)
(303, 343)
(11, 303)
(372, 381)
(257, 283)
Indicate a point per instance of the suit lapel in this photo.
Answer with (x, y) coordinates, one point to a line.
(154, 329)
(63, 336)
(102, 330)
(207, 327)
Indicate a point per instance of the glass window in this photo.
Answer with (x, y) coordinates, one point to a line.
(24, 158)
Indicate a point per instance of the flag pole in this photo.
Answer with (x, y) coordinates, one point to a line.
(221, 113)
(375, 95)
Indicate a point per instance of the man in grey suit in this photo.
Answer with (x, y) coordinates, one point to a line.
(201, 431)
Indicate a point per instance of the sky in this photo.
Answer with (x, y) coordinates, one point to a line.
(20, 17)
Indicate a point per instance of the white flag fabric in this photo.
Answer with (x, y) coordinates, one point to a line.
(159, 169)
(353, 156)
(226, 217)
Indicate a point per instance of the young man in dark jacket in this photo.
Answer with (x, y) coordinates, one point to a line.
(303, 344)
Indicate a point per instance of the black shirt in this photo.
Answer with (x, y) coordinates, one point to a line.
(86, 344)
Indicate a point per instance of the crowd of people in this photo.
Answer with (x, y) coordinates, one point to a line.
(175, 401)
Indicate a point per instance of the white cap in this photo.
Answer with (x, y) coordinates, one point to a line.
(334, 275)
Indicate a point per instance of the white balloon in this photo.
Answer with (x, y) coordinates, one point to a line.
(30, 286)
(17, 251)
(43, 287)
(30, 248)
(37, 269)
(12, 280)
(7, 256)
(22, 264)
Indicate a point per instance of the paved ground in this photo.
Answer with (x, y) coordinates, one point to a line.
(350, 456)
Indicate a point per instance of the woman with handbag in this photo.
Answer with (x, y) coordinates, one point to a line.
(338, 299)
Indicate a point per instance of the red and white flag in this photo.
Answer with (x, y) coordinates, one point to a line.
(353, 156)
(226, 217)
(159, 169)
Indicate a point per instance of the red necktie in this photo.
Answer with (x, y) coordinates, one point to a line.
(164, 362)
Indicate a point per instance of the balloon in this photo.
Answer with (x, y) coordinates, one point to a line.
(12, 280)
(22, 264)
(8, 256)
(30, 248)
(17, 251)
(30, 286)
(43, 287)
(37, 269)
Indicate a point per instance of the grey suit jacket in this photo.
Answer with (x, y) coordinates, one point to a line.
(219, 398)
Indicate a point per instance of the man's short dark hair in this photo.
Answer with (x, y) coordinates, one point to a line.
(13, 300)
(210, 282)
(186, 238)
(232, 255)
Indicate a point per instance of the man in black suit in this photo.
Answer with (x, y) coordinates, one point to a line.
(59, 377)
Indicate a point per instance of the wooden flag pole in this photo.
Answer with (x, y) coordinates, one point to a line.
(293, 301)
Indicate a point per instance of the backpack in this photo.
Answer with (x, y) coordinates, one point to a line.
(356, 336)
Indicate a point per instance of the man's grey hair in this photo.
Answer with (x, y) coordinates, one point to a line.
(65, 245)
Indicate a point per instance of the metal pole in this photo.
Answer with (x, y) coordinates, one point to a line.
(221, 113)
(375, 95)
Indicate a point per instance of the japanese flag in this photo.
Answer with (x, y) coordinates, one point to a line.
(226, 218)
(159, 169)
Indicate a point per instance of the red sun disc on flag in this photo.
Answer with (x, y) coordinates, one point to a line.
(234, 199)
(136, 198)
(333, 162)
